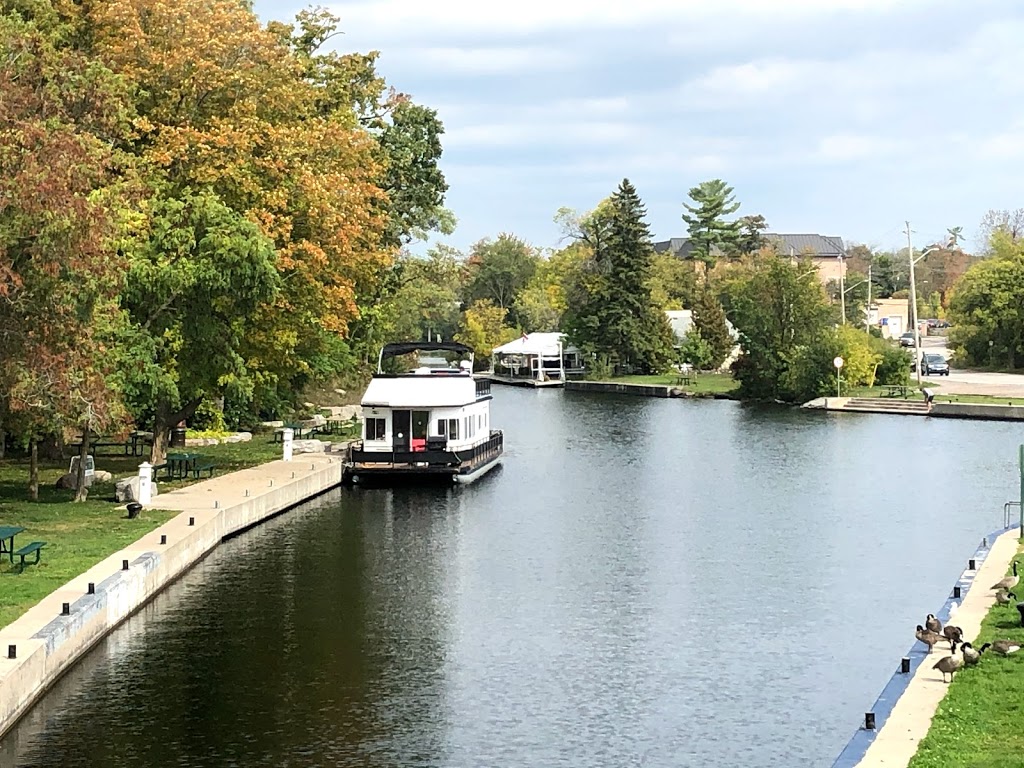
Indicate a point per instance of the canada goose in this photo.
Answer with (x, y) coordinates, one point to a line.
(1008, 582)
(927, 637)
(949, 664)
(953, 634)
(1002, 647)
(971, 654)
(932, 624)
(1003, 597)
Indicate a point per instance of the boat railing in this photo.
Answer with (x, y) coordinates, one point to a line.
(483, 387)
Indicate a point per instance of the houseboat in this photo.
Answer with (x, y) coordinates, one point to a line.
(430, 422)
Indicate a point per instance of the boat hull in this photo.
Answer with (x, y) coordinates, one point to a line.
(445, 467)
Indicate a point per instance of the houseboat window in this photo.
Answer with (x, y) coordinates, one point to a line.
(453, 429)
(442, 427)
(376, 429)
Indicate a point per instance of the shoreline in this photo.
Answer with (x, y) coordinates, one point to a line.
(44, 643)
(905, 707)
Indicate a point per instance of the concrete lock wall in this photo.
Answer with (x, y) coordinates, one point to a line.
(47, 642)
(977, 411)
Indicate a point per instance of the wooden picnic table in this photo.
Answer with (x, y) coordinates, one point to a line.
(7, 534)
(894, 390)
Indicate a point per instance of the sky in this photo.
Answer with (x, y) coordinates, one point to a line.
(837, 117)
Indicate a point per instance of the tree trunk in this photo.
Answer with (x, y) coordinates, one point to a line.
(3, 431)
(163, 421)
(81, 492)
(33, 470)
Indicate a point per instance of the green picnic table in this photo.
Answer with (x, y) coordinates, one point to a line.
(7, 534)
(180, 464)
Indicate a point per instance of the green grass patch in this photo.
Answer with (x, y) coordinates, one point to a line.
(977, 724)
(78, 536)
(702, 383)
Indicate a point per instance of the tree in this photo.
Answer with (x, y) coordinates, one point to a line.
(986, 309)
(1008, 222)
(811, 372)
(708, 230)
(673, 281)
(425, 300)
(709, 320)
(615, 314)
(750, 238)
(694, 351)
(483, 328)
(778, 307)
(499, 270)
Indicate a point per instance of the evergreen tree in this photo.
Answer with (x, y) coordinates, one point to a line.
(709, 320)
(707, 228)
(750, 238)
(613, 312)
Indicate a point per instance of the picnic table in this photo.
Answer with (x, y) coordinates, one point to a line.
(299, 432)
(179, 465)
(896, 390)
(7, 534)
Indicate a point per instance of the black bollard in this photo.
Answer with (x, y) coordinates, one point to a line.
(970, 565)
(12, 651)
(905, 665)
(163, 538)
(869, 721)
(65, 609)
(956, 591)
(191, 521)
(91, 590)
(124, 565)
(1020, 610)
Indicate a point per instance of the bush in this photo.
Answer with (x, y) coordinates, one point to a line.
(696, 351)
(208, 417)
(893, 365)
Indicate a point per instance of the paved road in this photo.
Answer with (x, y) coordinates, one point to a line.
(960, 382)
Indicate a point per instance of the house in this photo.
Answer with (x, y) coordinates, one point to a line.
(681, 322)
(891, 315)
(827, 252)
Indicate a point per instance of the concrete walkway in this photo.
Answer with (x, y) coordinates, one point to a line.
(908, 723)
(46, 640)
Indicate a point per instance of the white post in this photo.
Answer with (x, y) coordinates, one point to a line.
(913, 308)
(867, 320)
(145, 483)
(287, 436)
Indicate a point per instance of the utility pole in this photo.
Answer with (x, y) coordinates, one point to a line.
(842, 286)
(867, 310)
(913, 308)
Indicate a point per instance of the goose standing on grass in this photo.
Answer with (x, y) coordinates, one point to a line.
(1003, 597)
(932, 624)
(1002, 647)
(949, 664)
(1009, 582)
(971, 655)
(927, 637)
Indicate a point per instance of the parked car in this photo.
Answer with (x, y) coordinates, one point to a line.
(934, 364)
(907, 339)
(942, 324)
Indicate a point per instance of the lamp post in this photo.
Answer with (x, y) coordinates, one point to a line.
(838, 363)
(913, 300)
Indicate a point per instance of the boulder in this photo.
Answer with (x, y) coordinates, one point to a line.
(102, 476)
(341, 392)
(273, 424)
(69, 482)
(316, 421)
(127, 489)
(308, 446)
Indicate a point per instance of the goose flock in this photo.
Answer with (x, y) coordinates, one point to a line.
(963, 654)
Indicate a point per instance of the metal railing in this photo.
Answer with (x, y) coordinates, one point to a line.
(1006, 514)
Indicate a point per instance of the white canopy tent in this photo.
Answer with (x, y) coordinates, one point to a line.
(538, 356)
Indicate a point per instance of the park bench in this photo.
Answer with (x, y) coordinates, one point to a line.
(28, 549)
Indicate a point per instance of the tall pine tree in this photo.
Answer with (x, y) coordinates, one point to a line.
(708, 230)
(709, 320)
(618, 316)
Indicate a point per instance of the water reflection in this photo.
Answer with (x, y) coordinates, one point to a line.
(644, 582)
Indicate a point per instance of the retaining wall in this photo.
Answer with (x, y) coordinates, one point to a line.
(645, 390)
(977, 411)
(45, 642)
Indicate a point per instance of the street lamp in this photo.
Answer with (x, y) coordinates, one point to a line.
(913, 299)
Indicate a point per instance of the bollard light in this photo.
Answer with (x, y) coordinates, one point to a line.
(163, 538)
(65, 609)
(970, 565)
(191, 521)
(869, 721)
(91, 589)
(12, 651)
(124, 565)
(956, 591)
(904, 665)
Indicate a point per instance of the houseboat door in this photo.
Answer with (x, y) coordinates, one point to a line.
(401, 422)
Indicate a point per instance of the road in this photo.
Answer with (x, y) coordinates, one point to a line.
(961, 382)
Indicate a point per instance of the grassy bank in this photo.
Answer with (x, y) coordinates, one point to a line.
(702, 383)
(977, 725)
(80, 535)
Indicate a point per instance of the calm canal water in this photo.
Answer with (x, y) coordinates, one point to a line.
(643, 583)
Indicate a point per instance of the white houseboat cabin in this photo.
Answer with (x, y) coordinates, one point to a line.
(425, 423)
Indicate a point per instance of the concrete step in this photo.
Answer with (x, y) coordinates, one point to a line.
(887, 405)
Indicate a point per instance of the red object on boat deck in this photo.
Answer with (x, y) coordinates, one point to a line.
(418, 443)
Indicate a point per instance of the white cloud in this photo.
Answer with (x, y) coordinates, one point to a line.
(485, 62)
(846, 147)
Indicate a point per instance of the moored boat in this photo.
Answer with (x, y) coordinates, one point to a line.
(430, 422)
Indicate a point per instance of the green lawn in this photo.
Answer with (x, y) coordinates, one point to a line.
(80, 535)
(978, 723)
(704, 383)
